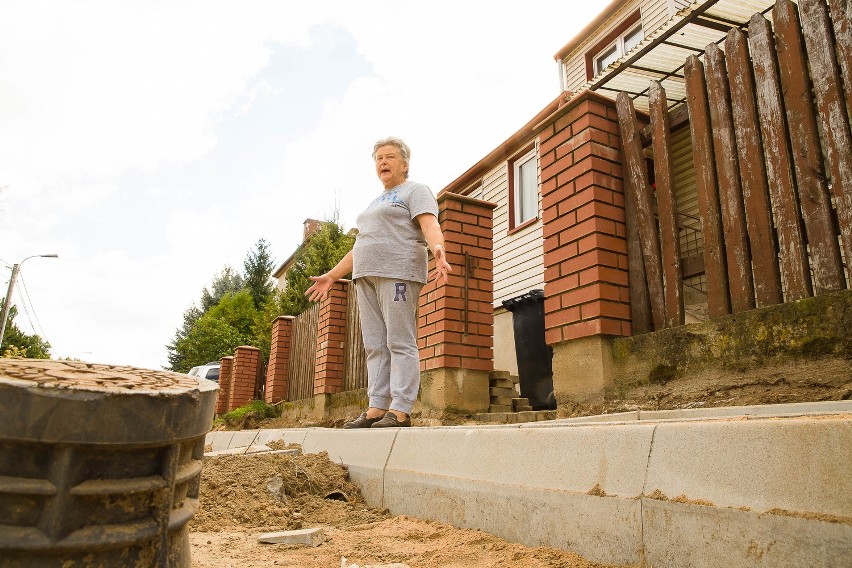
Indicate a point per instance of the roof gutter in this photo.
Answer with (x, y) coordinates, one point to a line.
(584, 34)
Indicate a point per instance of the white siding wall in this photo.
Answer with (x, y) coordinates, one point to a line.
(686, 193)
(518, 263)
(518, 258)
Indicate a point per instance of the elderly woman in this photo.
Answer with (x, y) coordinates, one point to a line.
(389, 267)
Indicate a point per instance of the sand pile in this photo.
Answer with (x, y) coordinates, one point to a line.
(277, 492)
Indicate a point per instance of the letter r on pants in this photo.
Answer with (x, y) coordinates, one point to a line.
(400, 291)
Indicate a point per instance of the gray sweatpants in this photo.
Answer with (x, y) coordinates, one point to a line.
(388, 310)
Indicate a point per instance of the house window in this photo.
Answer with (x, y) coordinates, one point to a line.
(619, 47)
(525, 189)
(609, 49)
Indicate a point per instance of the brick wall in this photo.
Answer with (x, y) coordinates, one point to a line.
(331, 338)
(443, 338)
(585, 246)
(277, 374)
(225, 372)
(244, 376)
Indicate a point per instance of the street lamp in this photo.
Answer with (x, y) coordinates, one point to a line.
(15, 269)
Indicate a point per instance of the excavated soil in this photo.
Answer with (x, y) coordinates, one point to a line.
(243, 496)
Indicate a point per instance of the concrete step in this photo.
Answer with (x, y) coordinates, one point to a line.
(521, 405)
(499, 391)
(501, 383)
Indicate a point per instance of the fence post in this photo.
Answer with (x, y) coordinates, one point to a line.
(278, 372)
(456, 320)
(244, 376)
(225, 374)
(585, 246)
(331, 341)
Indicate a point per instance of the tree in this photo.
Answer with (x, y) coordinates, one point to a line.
(258, 267)
(224, 282)
(216, 334)
(317, 255)
(16, 343)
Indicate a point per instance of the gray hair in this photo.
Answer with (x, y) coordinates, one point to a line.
(398, 143)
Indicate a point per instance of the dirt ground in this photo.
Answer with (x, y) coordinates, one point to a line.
(245, 496)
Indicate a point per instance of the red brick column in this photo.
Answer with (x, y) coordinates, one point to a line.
(225, 376)
(456, 320)
(278, 374)
(246, 365)
(331, 340)
(585, 245)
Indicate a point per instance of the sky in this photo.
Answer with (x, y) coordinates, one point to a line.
(151, 144)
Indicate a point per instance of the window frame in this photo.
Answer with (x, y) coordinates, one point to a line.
(618, 46)
(530, 153)
(628, 25)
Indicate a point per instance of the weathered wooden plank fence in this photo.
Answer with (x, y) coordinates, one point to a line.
(303, 354)
(772, 150)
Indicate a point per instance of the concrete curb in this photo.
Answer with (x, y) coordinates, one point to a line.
(746, 487)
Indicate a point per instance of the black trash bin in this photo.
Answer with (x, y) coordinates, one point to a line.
(535, 357)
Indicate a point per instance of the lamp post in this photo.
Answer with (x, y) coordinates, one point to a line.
(15, 269)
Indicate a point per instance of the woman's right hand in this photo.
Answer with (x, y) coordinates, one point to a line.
(319, 289)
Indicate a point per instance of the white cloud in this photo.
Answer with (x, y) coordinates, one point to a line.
(149, 144)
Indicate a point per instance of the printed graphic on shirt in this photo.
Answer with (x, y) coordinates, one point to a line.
(394, 199)
(400, 292)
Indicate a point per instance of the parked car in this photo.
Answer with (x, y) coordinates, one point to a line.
(209, 371)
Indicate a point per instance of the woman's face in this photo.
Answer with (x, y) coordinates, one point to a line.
(390, 167)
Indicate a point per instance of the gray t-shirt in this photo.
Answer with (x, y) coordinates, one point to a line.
(390, 243)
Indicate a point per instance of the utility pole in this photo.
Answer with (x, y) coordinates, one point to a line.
(16, 268)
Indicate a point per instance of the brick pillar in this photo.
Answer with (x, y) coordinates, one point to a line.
(278, 374)
(585, 244)
(225, 375)
(331, 340)
(456, 320)
(245, 369)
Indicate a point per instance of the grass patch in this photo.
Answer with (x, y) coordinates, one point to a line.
(248, 416)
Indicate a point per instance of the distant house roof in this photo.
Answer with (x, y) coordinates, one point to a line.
(311, 226)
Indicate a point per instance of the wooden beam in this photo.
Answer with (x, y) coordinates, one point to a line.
(831, 112)
(841, 16)
(678, 118)
(640, 303)
(648, 237)
(793, 258)
(718, 302)
(728, 176)
(666, 208)
(764, 252)
(807, 154)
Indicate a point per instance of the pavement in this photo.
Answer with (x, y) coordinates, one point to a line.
(749, 486)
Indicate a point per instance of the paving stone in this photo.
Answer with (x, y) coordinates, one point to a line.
(502, 383)
(502, 401)
(308, 537)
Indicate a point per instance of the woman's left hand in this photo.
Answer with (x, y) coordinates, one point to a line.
(442, 267)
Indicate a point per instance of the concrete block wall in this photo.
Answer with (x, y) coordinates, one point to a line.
(226, 371)
(331, 340)
(585, 244)
(277, 373)
(445, 338)
(244, 376)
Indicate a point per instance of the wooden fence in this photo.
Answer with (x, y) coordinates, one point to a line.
(304, 350)
(772, 149)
